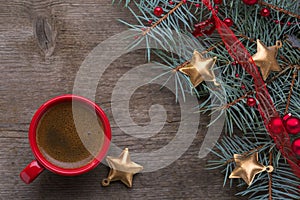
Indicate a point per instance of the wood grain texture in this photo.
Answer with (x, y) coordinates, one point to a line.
(42, 45)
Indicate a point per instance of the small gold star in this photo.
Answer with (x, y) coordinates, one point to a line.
(121, 168)
(247, 167)
(200, 69)
(265, 58)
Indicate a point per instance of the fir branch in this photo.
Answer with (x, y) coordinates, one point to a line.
(120, 1)
(252, 91)
(214, 46)
(181, 65)
(163, 18)
(281, 184)
(246, 37)
(245, 154)
(249, 25)
(291, 91)
(270, 174)
(203, 53)
(260, 2)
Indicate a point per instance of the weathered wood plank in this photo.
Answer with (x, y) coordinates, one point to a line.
(42, 45)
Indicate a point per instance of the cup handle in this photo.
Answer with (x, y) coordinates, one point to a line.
(32, 171)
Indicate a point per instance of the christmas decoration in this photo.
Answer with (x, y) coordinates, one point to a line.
(247, 167)
(251, 102)
(265, 58)
(265, 12)
(296, 146)
(286, 116)
(292, 125)
(276, 126)
(228, 21)
(250, 2)
(206, 27)
(158, 11)
(122, 168)
(200, 69)
(218, 1)
(242, 79)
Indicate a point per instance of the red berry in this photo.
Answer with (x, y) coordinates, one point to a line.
(292, 125)
(276, 126)
(277, 21)
(228, 22)
(158, 11)
(171, 2)
(197, 5)
(265, 12)
(184, 1)
(237, 75)
(217, 1)
(150, 22)
(250, 2)
(251, 102)
(243, 86)
(296, 146)
(288, 23)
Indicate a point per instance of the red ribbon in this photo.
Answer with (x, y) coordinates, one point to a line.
(265, 104)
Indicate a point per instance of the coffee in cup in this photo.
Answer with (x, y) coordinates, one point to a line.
(69, 135)
(64, 143)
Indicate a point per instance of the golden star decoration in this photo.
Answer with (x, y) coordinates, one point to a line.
(265, 58)
(247, 167)
(200, 69)
(121, 168)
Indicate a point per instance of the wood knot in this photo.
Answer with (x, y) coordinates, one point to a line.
(45, 34)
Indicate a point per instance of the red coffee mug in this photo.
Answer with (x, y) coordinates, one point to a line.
(37, 166)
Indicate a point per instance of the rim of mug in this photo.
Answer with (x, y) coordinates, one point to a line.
(68, 171)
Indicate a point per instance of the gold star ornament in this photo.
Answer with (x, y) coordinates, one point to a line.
(121, 168)
(247, 167)
(265, 58)
(200, 69)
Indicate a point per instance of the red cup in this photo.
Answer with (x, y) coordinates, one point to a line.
(40, 163)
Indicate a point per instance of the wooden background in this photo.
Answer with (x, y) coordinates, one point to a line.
(42, 45)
